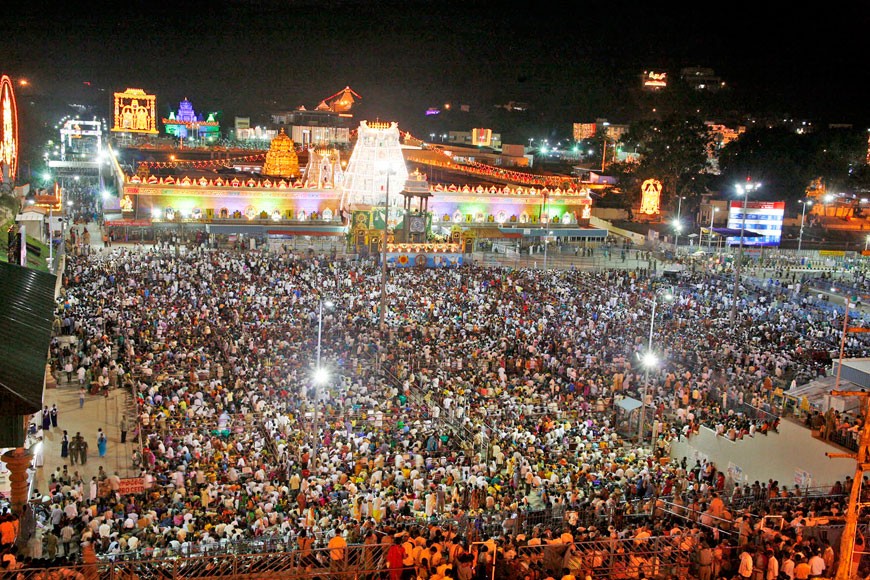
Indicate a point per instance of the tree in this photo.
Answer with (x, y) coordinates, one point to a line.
(786, 161)
(673, 150)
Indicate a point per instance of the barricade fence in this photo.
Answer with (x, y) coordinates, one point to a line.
(650, 557)
(250, 566)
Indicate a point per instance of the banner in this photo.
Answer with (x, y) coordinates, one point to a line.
(132, 485)
(128, 223)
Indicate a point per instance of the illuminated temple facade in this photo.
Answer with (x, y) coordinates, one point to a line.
(325, 196)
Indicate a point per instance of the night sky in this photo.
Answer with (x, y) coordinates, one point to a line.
(247, 57)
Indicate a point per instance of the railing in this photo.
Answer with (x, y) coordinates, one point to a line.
(344, 564)
(659, 556)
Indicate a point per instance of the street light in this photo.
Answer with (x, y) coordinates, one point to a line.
(321, 375)
(744, 189)
(649, 360)
(546, 244)
(804, 203)
(678, 226)
(386, 170)
(328, 303)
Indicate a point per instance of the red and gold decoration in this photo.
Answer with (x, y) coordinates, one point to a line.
(8, 131)
(210, 164)
(651, 193)
(135, 112)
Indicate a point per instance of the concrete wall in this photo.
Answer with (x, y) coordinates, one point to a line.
(609, 213)
(776, 456)
(597, 222)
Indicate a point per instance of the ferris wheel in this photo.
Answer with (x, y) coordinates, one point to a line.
(8, 132)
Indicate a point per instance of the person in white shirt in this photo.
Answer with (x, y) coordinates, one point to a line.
(772, 566)
(817, 565)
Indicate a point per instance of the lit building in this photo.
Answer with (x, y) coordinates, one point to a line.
(244, 132)
(475, 137)
(185, 124)
(315, 128)
(328, 124)
(701, 78)
(584, 131)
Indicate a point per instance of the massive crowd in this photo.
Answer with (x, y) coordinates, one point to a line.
(487, 411)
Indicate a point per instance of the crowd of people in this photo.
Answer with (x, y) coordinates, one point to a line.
(479, 429)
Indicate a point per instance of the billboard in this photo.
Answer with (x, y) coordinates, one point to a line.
(762, 217)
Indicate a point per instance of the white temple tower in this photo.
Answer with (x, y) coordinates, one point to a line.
(377, 154)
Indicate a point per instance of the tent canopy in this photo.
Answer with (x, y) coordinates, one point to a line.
(629, 404)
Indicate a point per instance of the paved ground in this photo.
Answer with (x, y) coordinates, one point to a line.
(97, 412)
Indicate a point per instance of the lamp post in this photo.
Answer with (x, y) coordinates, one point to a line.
(744, 189)
(546, 245)
(713, 211)
(387, 171)
(321, 375)
(804, 203)
(678, 226)
(649, 360)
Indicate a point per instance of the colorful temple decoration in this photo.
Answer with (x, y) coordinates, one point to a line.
(134, 112)
(186, 124)
(281, 160)
(342, 101)
(376, 158)
(325, 195)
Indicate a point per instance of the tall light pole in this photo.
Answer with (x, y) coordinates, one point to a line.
(328, 304)
(744, 189)
(388, 171)
(677, 225)
(321, 375)
(648, 360)
(546, 244)
(804, 203)
(713, 211)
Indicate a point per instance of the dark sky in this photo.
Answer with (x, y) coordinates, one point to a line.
(247, 57)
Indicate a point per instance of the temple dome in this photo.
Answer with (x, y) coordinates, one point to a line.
(281, 159)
